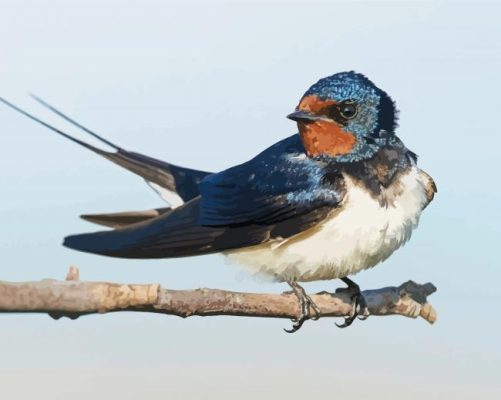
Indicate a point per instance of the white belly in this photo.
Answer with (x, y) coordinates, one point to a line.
(358, 235)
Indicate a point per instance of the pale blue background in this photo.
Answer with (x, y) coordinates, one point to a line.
(209, 86)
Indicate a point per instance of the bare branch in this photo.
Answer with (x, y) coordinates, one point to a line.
(73, 298)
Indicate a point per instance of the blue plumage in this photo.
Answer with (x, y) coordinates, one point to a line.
(353, 85)
(278, 182)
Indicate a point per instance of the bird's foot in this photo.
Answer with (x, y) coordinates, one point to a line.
(305, 302)
(359, 309)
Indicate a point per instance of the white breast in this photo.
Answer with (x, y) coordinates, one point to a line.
(357, 235)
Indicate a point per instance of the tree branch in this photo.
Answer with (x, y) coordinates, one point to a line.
(73, 298)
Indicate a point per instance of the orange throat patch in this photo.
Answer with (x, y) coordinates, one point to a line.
(325, 137)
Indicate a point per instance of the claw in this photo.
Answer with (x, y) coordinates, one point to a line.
(359, 304)
(295, 326)
(305, 302)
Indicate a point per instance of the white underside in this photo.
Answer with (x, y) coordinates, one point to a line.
(357, 235)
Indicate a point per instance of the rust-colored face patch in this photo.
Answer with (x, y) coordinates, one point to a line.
(323, 136)
(314, 105)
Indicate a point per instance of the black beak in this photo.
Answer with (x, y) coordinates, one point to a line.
(302, 116)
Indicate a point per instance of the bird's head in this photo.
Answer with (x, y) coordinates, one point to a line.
(346, 117)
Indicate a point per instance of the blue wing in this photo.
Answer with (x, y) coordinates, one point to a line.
(276, 184)
(279, 193)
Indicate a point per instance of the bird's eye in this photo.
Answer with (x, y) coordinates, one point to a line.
(348, 109)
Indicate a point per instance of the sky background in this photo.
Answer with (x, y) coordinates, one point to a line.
(208, 86)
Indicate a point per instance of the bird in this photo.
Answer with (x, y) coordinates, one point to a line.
(337, 197)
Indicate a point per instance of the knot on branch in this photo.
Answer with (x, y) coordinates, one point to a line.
(416, 291)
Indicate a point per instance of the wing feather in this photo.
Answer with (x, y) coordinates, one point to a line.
(234, 210)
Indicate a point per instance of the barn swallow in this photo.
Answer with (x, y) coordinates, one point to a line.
(338, 197)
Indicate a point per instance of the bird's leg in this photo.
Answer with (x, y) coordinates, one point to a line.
(359, 303)
(305, 302)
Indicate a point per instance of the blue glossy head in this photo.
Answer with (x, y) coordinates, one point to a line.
(345, 116)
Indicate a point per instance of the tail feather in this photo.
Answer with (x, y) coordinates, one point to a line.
(73, 122)
(126, 218)
(179, 181)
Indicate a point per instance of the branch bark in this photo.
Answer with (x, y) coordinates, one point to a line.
(73, 298)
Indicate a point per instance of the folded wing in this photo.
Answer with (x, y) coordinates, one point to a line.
(274, 196)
